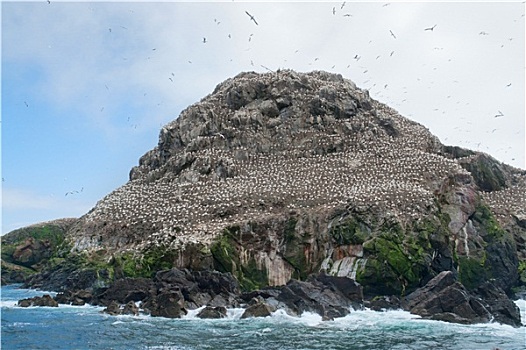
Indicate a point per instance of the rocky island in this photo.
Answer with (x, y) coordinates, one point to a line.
(293, 191)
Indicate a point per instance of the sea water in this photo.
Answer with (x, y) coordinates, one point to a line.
(85, 327)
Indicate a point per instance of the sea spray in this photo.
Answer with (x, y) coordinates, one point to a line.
(82, 327)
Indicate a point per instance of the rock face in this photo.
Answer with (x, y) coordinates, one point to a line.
(277, 176)
(445, 299)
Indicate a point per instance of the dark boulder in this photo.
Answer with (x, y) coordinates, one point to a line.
(349, 288)
(384, 303)
(328, 296)
(130, 309)
(45, 300)
(259, 309)
(168, 304)
(445, 299)
(78, 298)
(113, 309)
(212, 312)
(125, 290)
(499, 305)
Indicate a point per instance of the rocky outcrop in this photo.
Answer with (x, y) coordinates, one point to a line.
(213, 312)
(274, 177)
(445, 299)
(328, 296)
(173, 292)
(45, 300)
(258, 309)
(77, 298)
(27, 250)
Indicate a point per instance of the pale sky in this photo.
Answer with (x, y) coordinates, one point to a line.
(86, 86)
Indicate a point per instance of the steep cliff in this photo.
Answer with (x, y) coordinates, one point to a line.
(275, 176)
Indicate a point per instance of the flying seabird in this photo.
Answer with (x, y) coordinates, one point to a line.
(26, 104)
(499, 115)
(394, 36)
(251, 17)
(431, 28)
(343, 5)
(204, 40)
(483, 33)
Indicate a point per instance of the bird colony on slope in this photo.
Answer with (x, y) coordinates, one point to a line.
(249, 164)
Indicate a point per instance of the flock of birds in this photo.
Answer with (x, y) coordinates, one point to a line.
(270, 166)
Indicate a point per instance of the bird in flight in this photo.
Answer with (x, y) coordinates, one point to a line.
(204, 40)
(431, 28)
(251, 17)
(394, 36)
(508, 85)
(26, 104)
(499, 115)
(483, 33)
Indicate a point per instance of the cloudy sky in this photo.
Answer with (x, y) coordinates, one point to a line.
(86, 86)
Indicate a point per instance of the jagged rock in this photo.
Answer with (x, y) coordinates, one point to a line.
(384, 303)
(45, 300)
(113, 309)
(212, 312)
(130, 309)
(168, 304)
(125, 290)
(325, 295)
(502, 309)
(260, 309)
(445, 299)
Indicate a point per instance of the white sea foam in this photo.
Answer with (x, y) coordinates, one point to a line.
(8, 303)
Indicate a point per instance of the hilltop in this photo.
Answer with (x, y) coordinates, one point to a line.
(281, 175)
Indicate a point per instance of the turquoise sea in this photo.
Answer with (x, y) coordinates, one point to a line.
(85, 327)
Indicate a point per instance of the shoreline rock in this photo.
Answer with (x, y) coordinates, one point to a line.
(171, 293)
(445, 299)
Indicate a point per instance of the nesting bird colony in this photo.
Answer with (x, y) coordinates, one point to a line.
(271, 144)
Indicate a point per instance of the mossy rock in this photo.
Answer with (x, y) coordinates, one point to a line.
(144, 264)
(488, 224)
(351, 231)
(522, 272)
(226, 252)
(392, 268)
(32, 246)
(472, 272)
(295, 248)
